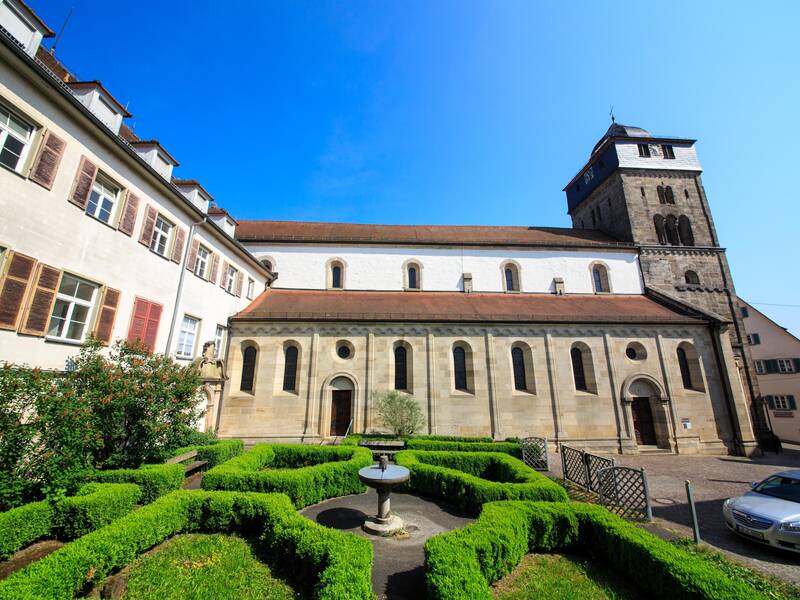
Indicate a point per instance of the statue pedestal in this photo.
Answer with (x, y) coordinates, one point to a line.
(212, 391)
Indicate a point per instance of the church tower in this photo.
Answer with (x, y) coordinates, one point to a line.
(648, 190)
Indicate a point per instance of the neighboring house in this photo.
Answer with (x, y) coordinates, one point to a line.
(96, 237)
(776, 359)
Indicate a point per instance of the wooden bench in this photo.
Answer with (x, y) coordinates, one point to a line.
(192, 467)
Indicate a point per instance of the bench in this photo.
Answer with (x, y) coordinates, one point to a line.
(191, 468)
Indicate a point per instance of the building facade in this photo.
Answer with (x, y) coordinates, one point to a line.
(776, 361)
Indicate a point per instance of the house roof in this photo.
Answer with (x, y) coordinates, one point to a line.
(462, 235)
(320, 305)
(218, 210)
(97, 84)
(156, 144)
(46, 31)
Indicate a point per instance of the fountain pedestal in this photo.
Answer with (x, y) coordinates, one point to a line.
(383, 477)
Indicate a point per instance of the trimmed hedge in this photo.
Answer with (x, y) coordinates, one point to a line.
(336, 564)
(465, 562)
(155, 480)
(470, 479)
(355, 438)
(94, 506)
(215, 453)
(307, 474)
(514, 450)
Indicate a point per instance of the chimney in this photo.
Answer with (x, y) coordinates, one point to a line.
(558, 286)
(467, 283)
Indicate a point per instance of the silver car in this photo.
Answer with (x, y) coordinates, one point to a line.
(769, 513)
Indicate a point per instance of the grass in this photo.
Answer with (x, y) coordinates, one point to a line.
(195, 566)
(562, 576)
(769, 586)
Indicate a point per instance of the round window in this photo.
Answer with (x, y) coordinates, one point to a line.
(635, 351)
(344, 350)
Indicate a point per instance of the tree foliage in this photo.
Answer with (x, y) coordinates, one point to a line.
(399, 412)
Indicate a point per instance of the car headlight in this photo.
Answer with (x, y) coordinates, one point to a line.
(793, 526)
(727, 503)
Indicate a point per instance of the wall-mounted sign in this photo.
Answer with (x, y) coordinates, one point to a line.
(686, 423)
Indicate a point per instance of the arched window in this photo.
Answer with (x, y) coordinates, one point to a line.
(662, 199)
(672, 231)
(460, 368)
(249, 356)
(336, 274)
(412, 276)
(267, 263)
(400, 368)
(689, 364)
(600, 279)
(518, 364)
(583, 368)
(290, 368)
(669, 195)
(683, 363)
(691, 278)
(685, 230)
(661, 229)
(511, 277)
(578, 372)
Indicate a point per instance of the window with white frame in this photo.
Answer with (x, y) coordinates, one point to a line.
(219, 340)
(161, 232)
(250, 288)
(187, 337)
(760, 368)
(781, 402)
(15, 140)
(72, 310)
(102, 199)
(230, 279)
(201, 262)
(785, 365)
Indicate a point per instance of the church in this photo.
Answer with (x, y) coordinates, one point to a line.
(619, 334)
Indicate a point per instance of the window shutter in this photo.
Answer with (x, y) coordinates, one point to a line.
(771, 402)
(214, 268)
(46, 164)
(151, 329)
(147, 226)
(128, 220)
(239, 280)
(16, 276)
(144, 323)
(82, 186)
(224, 278)
(104, 325)
(37, 313)
(772, 365)
(792, 403)
(177, 248)
(191, 262)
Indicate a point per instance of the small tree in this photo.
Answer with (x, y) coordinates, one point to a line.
(399, 412)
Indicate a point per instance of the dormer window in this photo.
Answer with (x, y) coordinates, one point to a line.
(644, 150)
(15, 140)
(102, 199)
(161, 232)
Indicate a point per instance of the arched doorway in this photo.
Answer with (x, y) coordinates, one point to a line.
(648, 411)
(341, 405)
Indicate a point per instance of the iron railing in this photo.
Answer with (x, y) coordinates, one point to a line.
(535, 454)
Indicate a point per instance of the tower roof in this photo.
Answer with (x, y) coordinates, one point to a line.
(619, 130)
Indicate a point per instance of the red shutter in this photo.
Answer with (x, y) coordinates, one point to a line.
(37, 313)
(82, 186)
(151, 330)
(239, 280)
(104, 325)
(46, 164)
(144, 323)
(214, 268)
(146, 236)
(177, 248)
(192, 260)
(223, 280)
(16, 276)
(128, 220)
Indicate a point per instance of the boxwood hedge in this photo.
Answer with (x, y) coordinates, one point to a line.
(469, 479)
(95, 505)
(354, 439)
(465, 562)
(214, 453)
(307, 474)
(154, 480)
(511, 448)
(336, 564)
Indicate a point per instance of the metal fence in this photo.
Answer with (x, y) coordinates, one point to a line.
(534, 453)
(624, 491)
(582, 468)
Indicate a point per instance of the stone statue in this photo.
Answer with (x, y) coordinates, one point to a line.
(208, 365)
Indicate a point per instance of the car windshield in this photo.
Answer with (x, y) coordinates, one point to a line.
(780, 486)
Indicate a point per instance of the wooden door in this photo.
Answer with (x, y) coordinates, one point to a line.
(643, 422)
(340, 411)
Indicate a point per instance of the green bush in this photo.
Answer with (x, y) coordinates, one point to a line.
(470, 479)
(154, 480)
(216, 453)
(94, 506)
(398, 411)
(355, 438)
(465, 562)
(514, 450)
(336, 564)
(307, 474)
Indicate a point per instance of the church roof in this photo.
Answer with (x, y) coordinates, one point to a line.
(620, 130)
(460, 235)
(320, 305)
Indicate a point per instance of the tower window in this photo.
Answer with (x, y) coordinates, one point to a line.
(641, 189)
(672, 231)
(685, 231)
(661, 229)
(667, 151)
(691, 278)
(662, 197)
(686, 192)
(669, 196)
(644, 150)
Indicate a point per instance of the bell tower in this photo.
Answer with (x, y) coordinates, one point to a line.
(648, 190)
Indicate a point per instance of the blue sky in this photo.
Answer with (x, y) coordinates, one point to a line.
(459, 112)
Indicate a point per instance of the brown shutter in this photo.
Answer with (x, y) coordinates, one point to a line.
(151, 329)
(46, 164)
(223, 280)
(144, 323)
(177, 248)
(239, 279)
(82, 186)
(106, 315)
(37, 314)
(16, 276)
(147, 226)
(214, 268)
(192, 260)
(128, 220)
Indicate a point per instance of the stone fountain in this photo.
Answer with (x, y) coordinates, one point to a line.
(383, 477)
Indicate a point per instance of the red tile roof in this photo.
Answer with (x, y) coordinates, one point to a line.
(300, 232)
(320, 305)
(218, 210)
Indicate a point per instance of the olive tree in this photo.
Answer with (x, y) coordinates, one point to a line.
(399, 412)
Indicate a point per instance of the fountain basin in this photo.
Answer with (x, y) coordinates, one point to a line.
(383, 479)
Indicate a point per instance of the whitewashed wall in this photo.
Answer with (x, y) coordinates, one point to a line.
(381, 268)
(685, 158)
